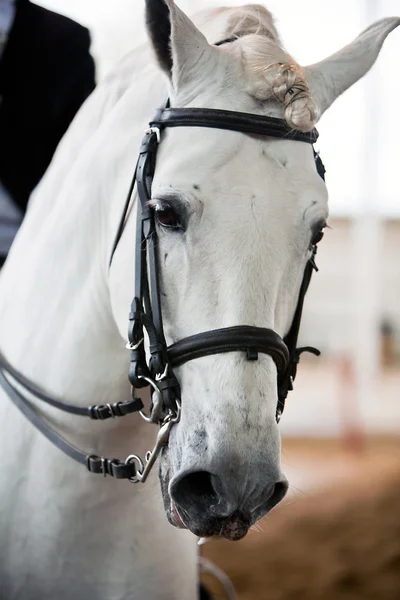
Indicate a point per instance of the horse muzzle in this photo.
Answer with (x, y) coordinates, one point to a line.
(209, 506)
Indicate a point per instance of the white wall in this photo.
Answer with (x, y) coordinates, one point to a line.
(330, 311)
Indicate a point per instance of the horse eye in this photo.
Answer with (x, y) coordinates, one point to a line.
(167, 217)
(317, 237)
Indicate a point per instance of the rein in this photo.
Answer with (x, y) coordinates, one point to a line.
(146, 311)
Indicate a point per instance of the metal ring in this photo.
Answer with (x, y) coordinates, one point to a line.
(134, 458)
(155, 130)
(174, 418)
(156, 389)
(145, 417)
(151, 382)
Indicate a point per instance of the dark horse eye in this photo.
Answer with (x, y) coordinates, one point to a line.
(317, 237)
(167, 217)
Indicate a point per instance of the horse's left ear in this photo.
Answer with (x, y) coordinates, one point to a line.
(181, 49)
(334, 75)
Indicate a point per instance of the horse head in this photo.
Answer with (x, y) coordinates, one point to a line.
(237, 218)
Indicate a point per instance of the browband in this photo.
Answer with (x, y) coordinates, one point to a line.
(232, 121)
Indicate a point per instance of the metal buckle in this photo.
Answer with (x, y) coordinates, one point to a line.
(150, 382)
(130, 346)
(155, 130)
(111, 410)
(103, 462)
(161, 376)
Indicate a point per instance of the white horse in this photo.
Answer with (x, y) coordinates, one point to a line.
(248, 209)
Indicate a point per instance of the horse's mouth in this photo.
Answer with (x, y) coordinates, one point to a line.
(233, 528)
(174, 517)
(171, 510)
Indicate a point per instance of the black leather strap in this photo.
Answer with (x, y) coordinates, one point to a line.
(95, 412)
(121, 224)
(95, 464)
(285, 382)
(146, 310)
(251, 340)
(231, 120)
(147, 303)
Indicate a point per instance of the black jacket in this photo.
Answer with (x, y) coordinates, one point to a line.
(46, 72)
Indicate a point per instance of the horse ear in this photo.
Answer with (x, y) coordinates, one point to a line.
(158, 23)
(331, 77)
(180, 48)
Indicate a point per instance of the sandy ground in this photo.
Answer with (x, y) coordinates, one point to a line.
(335, 537)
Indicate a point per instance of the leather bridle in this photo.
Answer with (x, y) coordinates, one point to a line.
(146, 310)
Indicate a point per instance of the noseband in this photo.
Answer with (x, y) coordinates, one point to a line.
(146, 313)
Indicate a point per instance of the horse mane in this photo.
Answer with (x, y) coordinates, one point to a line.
(272, 72)
(251, 18)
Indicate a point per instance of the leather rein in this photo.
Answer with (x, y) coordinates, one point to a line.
(146, 310)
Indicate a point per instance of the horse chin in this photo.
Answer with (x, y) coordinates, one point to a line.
(232, 531)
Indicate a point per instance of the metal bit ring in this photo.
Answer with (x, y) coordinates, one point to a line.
(134, 458)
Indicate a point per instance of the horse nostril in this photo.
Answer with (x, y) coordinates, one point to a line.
(278, 493)
(212, 504)
(195, 491)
